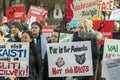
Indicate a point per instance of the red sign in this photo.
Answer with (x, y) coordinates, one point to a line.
(35, 14)
(105, 27)
(4, 19)
(47, 30)
(15, 13)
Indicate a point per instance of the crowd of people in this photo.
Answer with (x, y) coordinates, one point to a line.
(15, 31)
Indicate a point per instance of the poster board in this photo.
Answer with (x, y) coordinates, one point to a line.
(64, 59)
(14, 59)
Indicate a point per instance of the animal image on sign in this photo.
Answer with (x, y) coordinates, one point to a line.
(80, 59)
(60, 62)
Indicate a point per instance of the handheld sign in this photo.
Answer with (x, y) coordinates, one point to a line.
(14, 59)
(70, 59)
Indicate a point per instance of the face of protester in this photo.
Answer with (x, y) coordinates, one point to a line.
(74, 29)
(25, 37)
(54, 37)
(81, 29)
(14, 29)
(35, 30)
(116, 29)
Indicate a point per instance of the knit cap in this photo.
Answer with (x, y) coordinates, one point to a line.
(37, 24)
(17, 24)
(73, 24)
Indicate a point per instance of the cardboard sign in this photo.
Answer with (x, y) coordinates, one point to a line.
(15, 13)
(105, 27)
(64, 59)
(106, 5)
(14, 59)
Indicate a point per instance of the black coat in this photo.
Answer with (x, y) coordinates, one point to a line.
(35, 64)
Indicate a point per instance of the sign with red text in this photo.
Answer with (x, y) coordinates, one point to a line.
(14, 59)
(105, 27)
(106, 5)
(84, 9)
(70, 59)
(15, 12)
(47, 30)
(35, 14)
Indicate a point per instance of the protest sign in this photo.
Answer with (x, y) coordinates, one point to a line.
(4, 19)
(106, 5)
(47, 30)
(115, 15)
(14, 59)
(111, 49)
(35, 14)
(83, 9)
(112, 69)
(70, 59)
(65, 37)
(105, 27)
(15, 12)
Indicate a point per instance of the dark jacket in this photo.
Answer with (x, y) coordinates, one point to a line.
(116, 35)
(88, 36)
(35, 64)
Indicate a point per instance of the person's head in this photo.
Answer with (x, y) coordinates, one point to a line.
(36, 29)
(55, 36)
(116, 27)
(15, 27)
(85, 26)
(73, 25)
(27, 36)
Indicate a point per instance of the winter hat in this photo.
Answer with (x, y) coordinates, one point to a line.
(73, 24)
(37, 24)
(17, 24)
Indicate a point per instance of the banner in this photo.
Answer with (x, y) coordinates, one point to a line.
(15, 12)
(105, 27)
(82, 9)
(70, 59)
(106, 5)
(14, 59)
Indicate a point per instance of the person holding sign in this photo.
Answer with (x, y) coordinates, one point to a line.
(54, 39)
(35, 63)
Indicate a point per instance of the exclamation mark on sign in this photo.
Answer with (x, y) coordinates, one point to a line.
(26, 71)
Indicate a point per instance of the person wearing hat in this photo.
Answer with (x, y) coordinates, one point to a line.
(73, 25)
(36, 29)
(15, 31)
